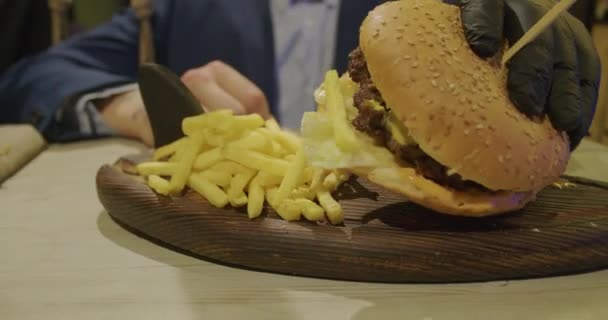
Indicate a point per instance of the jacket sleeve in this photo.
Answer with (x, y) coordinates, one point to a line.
(43, 89)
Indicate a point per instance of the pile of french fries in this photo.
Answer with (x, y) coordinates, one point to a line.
(244, 160)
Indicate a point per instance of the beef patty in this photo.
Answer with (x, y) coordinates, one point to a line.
(371, 121)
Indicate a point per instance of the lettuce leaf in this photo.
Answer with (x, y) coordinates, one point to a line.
(322, 151)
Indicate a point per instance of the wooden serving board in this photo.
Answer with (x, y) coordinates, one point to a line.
(385, 238)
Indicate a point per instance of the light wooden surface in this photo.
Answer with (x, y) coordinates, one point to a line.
(63, 258)
(599, 128)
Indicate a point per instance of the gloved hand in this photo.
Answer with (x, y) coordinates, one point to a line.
(557, 74)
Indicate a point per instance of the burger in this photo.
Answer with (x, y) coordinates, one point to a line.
(433, 120)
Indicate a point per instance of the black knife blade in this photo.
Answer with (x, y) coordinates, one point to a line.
(167, 101)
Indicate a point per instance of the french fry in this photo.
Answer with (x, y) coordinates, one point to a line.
(167, 150)
(214, 138)
(256, 198)
(342, 175)
(156, 168)
(306, 176)
(278, 150)
(214, 194)
(273, 125)
(310, 210)
(246, 161)
(302, 192)
(191, 149)
(292, 176)
(318, 176)
(191, 125)
(176, 157)
(253, 140)
(287, 141)
(236, 188)
(208, 159)
(271, 195)
(238, 200)
(248, 122)
(344, 135)
(288, 210)
(257, 160)
(331, 206)
(220, 178)
(230, 167)
(275, 148)
(330, 182)
(268, 180)
(158, 184)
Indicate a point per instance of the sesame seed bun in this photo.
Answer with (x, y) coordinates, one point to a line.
(420, 190)
(455, 104)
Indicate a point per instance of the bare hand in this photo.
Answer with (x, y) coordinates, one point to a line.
(126, 115)
(216, 85)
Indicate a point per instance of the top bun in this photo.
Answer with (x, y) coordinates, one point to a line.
(454, 103)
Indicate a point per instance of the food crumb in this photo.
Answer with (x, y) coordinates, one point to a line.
(593, 224)
(536, 230)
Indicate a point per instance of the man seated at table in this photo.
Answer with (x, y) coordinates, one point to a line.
(267, 56)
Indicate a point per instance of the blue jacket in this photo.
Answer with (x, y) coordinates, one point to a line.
(187, 33)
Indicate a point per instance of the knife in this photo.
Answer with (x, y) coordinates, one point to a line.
(167, 101)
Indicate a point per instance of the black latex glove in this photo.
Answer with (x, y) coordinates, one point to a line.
(557, 74)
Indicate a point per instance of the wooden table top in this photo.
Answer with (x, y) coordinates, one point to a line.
(64, 258)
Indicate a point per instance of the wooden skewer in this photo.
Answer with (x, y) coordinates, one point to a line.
(538, 27)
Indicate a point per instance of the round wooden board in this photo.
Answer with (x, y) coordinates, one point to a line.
(385, 238)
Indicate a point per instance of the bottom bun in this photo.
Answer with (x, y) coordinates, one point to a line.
(424, 192)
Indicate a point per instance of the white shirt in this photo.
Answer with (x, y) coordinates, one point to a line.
(305, 38)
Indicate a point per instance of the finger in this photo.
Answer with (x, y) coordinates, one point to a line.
(564, 107)
(204, 87)
(590, 74)
(530, 74)
(482, 21)
(245, 91)
(588, 102)
(589, 60)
